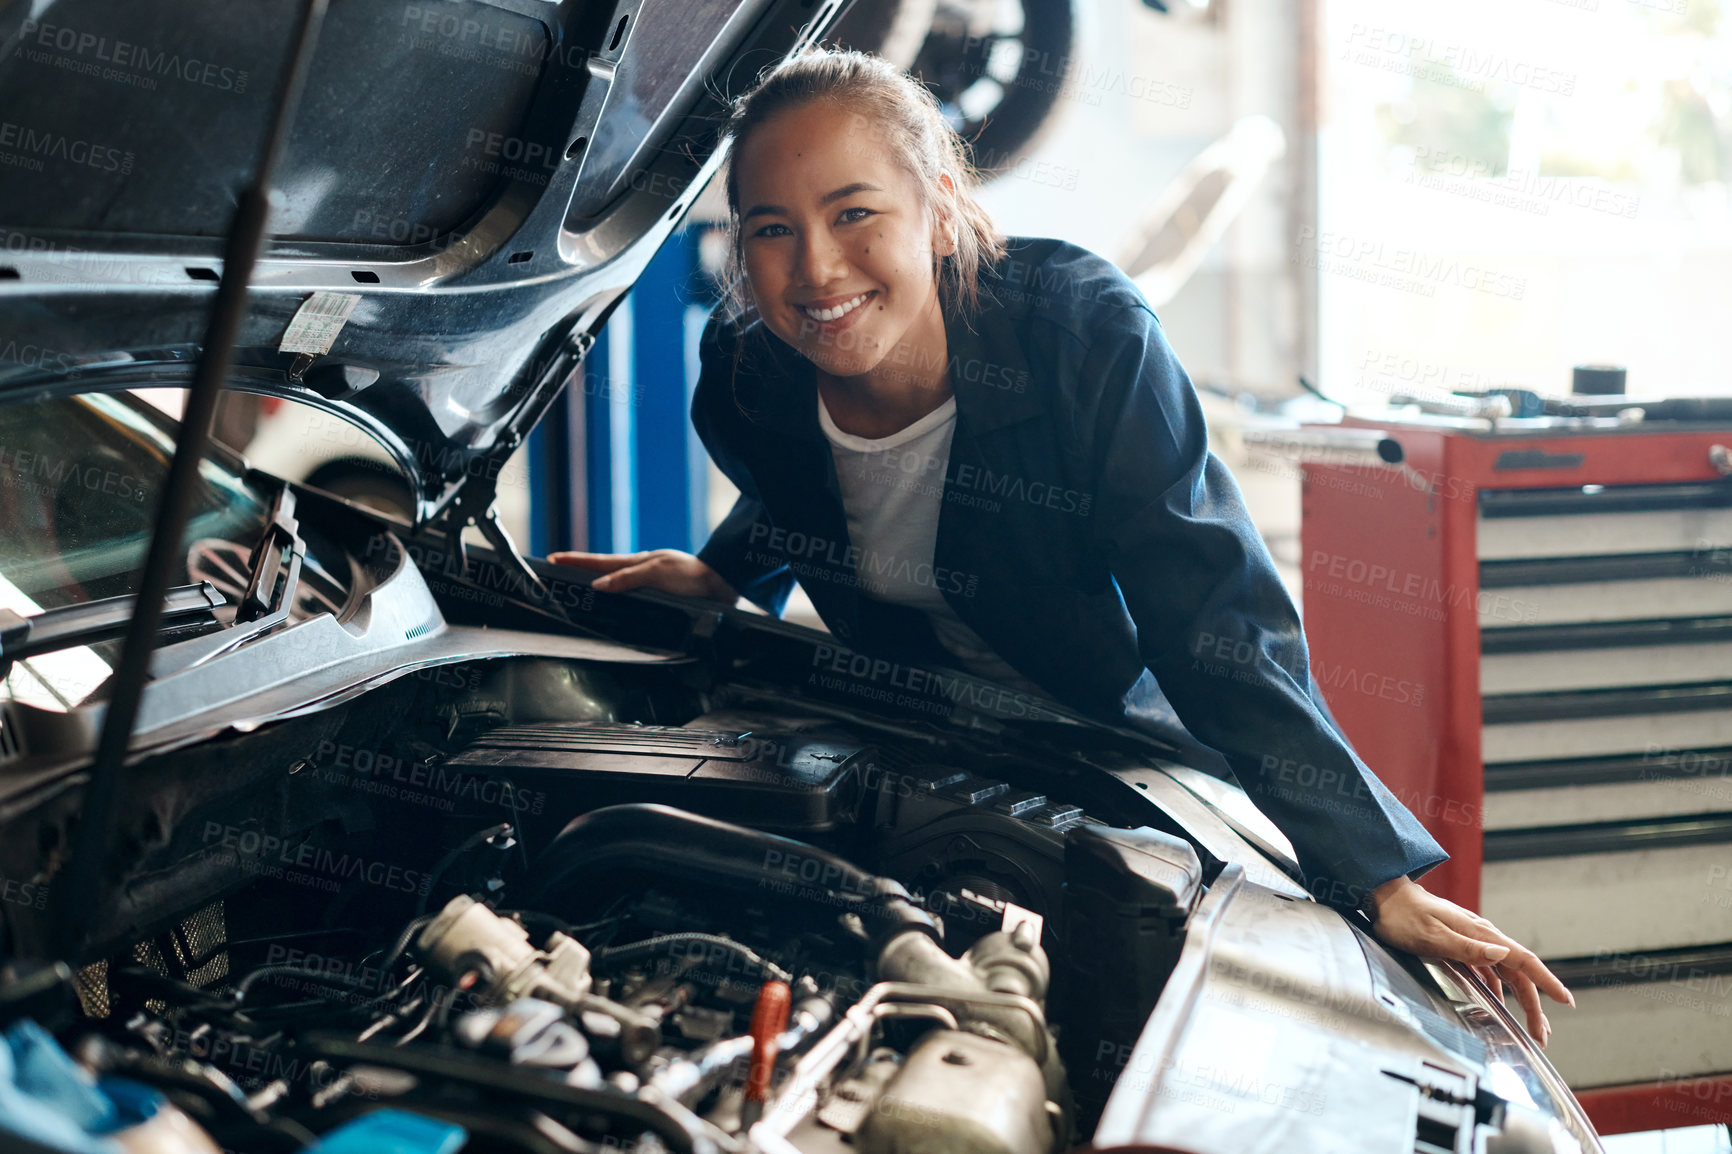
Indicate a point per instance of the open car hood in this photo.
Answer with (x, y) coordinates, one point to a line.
(480, 180)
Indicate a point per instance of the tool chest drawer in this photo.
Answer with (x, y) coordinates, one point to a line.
(1595, 839)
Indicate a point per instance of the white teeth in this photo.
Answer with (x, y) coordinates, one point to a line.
(835, 312)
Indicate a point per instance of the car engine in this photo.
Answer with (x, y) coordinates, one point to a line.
(760, 929)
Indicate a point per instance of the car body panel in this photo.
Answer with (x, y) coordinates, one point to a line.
(1286, 1028)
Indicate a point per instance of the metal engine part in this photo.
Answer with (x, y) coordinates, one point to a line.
(961, 1093)
(531, 1032)
(999, 963)
(471, 944)
(987, 1080)
(491, 956)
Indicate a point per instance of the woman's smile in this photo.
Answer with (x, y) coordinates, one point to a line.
(831, 313)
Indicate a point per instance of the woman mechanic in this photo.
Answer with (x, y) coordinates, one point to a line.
(1007, 470)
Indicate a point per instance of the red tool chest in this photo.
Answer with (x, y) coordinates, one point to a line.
(1526, 631)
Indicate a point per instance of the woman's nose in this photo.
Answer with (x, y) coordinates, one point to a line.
(821, 259)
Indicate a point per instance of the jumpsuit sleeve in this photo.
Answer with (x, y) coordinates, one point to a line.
(764, 582)
(1217, 628)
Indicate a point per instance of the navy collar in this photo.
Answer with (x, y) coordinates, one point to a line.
(988, 371)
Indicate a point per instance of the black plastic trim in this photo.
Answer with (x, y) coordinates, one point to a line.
(1572, 501)
(1660, 765)
(1637, 968)
(1607, 837)
(1596, 703)
(1605, 635)
(1704, 563)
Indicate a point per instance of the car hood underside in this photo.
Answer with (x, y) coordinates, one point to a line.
(469, 187)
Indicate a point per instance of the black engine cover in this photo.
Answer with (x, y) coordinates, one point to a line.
(784, 783)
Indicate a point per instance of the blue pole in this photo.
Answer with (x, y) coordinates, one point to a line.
(610, 414)
(636, 476)
(671, 466)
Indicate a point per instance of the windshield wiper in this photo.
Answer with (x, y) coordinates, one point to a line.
(91, 622)
(275, 565)
(275, 574)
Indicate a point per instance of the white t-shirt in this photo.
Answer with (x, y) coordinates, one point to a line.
(892, 491)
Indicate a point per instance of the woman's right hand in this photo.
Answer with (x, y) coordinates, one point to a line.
(666, 569)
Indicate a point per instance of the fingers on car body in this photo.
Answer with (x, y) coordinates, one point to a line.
(669, 570)
(1475, 941)
(618, 571)
(598, 562)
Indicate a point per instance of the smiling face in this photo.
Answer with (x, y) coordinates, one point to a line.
(838, 244)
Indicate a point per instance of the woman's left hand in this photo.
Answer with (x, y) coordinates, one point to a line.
(1409, 916)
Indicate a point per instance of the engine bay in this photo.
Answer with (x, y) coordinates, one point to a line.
(569, 908)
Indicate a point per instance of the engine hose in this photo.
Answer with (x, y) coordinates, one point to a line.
(687, 847)
(678, 1128)
(649, 947)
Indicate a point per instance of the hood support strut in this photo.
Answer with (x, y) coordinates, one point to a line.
(78, 889)
(473, 503)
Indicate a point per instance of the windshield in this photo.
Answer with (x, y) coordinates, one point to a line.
(80, 479)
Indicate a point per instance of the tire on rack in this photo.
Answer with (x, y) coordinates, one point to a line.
(1000, 99)
(893, 29)
(1001, 90)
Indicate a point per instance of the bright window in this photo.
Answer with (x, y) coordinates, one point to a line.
(1512, 187)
